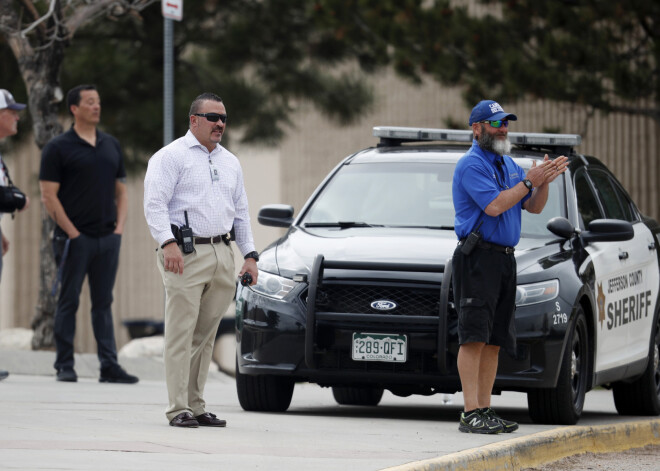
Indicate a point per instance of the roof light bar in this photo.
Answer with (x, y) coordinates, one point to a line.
(394, 135)
(421, 134)
(542, 139)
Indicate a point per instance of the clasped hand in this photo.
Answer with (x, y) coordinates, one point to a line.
(547, 170)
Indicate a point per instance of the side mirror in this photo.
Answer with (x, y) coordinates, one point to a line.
(561, 227)
(608, 230)
(276, 215)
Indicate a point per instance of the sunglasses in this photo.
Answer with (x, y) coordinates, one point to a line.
(497, 124)
(213, 117)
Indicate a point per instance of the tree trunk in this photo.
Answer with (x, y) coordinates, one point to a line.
(41, 76)
(40, 67)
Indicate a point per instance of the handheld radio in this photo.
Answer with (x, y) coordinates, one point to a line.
(472, 240)
(187, 245)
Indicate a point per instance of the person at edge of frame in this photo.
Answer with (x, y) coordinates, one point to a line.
(16, 200)
(193, 195)
(490, 191)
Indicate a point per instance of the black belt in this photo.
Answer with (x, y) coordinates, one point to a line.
(490, 246)
(226, 238)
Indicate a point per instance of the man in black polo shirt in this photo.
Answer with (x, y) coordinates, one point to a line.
(82, 182)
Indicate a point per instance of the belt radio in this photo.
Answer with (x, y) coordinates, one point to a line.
(186, 233)
(472, 240)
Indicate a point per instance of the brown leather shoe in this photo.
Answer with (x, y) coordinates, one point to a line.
(184, 419)
(210, 420)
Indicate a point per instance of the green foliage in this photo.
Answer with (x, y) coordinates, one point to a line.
(590, 52)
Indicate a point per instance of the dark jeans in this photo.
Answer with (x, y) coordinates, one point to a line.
(98, 258)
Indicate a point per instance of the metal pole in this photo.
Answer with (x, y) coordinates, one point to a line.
(168, 93)
(168, 81)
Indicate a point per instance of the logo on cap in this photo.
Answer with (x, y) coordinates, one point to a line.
(495, 107)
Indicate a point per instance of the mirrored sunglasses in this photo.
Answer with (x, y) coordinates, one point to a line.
(497, 124)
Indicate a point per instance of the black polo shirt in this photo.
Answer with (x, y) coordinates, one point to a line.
(87, 176)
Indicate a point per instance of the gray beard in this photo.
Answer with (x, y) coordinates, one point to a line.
(497, 146)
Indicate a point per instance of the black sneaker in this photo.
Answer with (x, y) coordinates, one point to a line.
(116, 374)
(67, 374)
(508, 425)
(3, 374)
(475, 422)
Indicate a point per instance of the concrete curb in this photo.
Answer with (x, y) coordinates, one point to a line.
(544, 447)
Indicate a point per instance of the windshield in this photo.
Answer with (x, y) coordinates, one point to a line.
(404, 195)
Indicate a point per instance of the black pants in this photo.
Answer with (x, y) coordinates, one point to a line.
(98, 258)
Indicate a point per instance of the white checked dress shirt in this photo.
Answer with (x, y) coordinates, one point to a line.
(179, 179)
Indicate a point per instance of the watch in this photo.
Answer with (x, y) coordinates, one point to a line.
(254, 254)
(528, 184)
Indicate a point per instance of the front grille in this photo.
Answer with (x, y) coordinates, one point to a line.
(357, 299)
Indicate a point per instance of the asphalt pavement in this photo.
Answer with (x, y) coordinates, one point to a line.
(48, 425)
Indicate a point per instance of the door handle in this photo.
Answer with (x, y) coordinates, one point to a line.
(652, 246)
(623, 255)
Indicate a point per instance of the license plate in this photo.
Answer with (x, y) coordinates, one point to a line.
(379, 347)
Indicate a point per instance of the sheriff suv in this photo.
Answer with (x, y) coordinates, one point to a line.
(357, 295)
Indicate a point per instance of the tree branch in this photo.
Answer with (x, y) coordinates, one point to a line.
(30, 7)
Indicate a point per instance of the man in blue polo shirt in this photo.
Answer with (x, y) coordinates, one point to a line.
(83, 187)
(490, 191)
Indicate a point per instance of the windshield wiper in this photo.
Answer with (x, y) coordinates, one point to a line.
(340, 224)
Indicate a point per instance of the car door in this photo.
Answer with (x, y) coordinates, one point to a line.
(638, 286)
(625, 273)
(602, 259)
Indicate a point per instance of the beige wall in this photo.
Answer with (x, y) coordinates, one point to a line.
(289, 173)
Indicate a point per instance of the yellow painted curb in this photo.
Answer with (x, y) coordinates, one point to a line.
(544, 447)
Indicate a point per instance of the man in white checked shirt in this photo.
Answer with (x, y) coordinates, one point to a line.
(197, 175)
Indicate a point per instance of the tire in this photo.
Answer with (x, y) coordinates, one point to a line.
(264, 393)
(563, 404)
(353, 396)
(642, 396)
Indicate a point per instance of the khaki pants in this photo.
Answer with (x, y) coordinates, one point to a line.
(195, 303)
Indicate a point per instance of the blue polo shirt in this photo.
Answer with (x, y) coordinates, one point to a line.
(478, 180)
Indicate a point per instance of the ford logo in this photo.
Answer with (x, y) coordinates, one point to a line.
(383, 305)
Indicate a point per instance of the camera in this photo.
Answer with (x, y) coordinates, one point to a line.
(11, 199)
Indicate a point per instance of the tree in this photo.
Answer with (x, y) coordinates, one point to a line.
(600, 54)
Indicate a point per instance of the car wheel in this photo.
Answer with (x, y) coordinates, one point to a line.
(642, 396)
(264, 393)
(353, 396)
(563, 404)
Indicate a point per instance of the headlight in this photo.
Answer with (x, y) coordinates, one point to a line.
(272, 285)
(536, 292)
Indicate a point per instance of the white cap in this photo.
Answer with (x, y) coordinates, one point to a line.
(7, 101)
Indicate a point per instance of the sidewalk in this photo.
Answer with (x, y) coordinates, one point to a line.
(89, 425)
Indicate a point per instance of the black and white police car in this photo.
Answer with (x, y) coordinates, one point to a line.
(357, 294)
